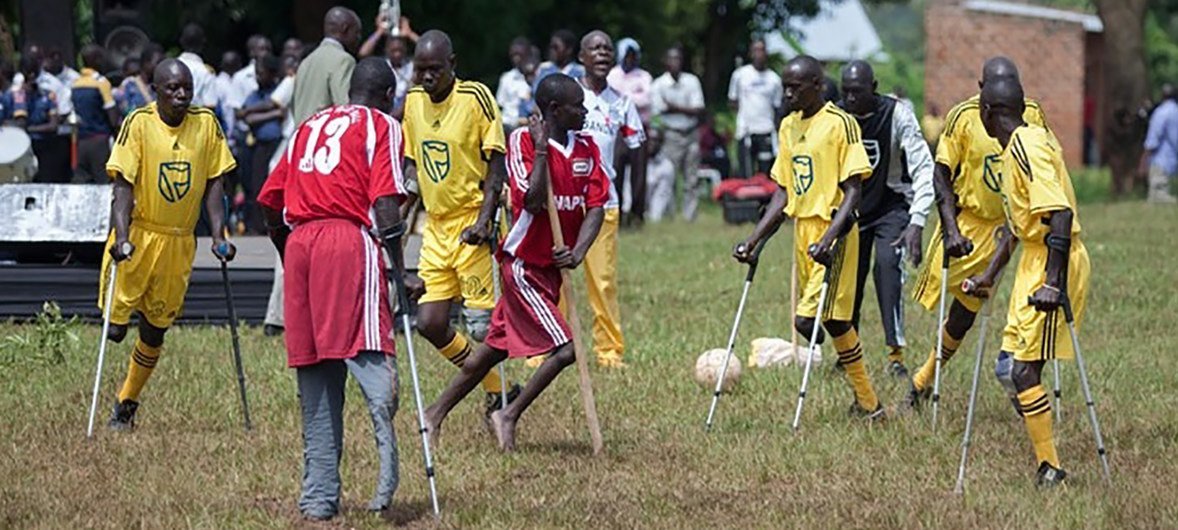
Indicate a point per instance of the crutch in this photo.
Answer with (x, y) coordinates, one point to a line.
(394, 250)
(940, 333)
(245, 406)
(744, 295)
(793, 295)
(813, 347)
(1056, 399)
(495, 287)
(1100, 450)
(973, 389)
(110, 297)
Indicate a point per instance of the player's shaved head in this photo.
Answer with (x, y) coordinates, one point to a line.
(1003, 103)
(803, 80)
(999, 67)
(597, 54)
(555, 88)
(805, 67)
(859, 71)
(562, 103)
(435, 43)
(343, 25)
(859, 87)
(595, 33)
(433, 64)
(170, 69)
(372, 84)
(172, 81)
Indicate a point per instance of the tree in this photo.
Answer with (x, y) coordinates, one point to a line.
(1125, 87)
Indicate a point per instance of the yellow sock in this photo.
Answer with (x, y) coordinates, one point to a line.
(851, 358)
(143, 360)
(896, 355)
(924, 376)
(458, 351)
(1036, 409)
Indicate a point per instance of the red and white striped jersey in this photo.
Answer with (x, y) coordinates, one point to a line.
(579, 182)
(336, 164)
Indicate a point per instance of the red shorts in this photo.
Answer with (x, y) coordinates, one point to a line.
(526, 320)
(337, 297)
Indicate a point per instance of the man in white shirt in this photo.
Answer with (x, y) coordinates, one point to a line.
(226, 95)
(192, 41)
(755, 94)
(677, 102)
(514, 91)
(245, 80)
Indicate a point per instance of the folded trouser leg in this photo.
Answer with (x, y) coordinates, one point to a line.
(321, 397)
(376, 373)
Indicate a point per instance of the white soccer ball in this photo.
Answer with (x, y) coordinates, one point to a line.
(709, 365)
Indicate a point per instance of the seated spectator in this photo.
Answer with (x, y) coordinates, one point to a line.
(34, 109)
(713, 146)
(98, 119)
(660, 179)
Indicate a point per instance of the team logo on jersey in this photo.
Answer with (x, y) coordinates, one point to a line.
(175, 179)
(436, 157)
(872, 147)
(582, 167)
(992, 173)
(803, 173)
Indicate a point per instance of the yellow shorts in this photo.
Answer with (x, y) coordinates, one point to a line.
(840, 298)
(928, 285)
(452, 269)
(153, 281)
(1032, 335)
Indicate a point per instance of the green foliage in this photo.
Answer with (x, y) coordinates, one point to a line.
(1161, 33)
(46, 340)
(1091, 184)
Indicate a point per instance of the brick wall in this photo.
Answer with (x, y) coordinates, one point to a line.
(1049, 54)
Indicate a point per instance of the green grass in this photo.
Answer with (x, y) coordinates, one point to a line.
(189, 464)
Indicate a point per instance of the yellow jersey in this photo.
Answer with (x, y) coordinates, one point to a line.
(452, 142)
(815, 155)
(972, 156)
(169, 167)
(1035, 181)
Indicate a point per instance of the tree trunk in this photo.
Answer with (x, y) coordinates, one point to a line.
(1125, 88)
(727, 25)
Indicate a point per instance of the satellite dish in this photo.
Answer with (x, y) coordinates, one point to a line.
(125, 42)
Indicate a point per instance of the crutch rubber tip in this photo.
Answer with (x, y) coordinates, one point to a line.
(1091, 404)
(801, 394)
(423, 430)
(1100, 451)
(716, 393)
(936, 397)
(429, 471)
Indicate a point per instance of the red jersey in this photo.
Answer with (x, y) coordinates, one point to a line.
(578, 181)
(336, 164)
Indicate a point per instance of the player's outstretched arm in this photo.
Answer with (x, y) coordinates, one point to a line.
(955, 244)
(124, 196)
(746, 251)
(981, 284)
(823, 251)
(492, 189)
(215, 207)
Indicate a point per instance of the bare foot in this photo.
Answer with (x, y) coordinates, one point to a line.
(504, 430)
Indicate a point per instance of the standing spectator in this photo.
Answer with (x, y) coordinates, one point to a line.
(33, 109)
(1161, 148)
(135, 92)
(562, 54)
(94, 105)
(55, 65)
(630, 79)
(293, 47)
(755, 94)
(514, 93)
(245, 80)
(678, 101)
(192, 41)
(226, 93)
(396, 53)
(321, 81)
(57, 78)
(263, 117)
(660, 179)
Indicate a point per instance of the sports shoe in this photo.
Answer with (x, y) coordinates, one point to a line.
(494, 401)
(897, 370)
(917, 398)
(1049, 476)
(122, 417)
(857, 411)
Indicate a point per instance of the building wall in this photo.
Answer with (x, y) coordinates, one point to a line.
(1050, 55)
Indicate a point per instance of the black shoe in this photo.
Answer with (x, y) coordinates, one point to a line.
(494, 402)
(917, 398)
(858, 411)
(897, 370)
(270, 330)
(1048, 476)
(122, 418)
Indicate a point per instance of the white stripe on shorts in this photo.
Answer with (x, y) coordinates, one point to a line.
(536, 302)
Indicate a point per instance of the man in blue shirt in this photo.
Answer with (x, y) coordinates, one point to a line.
(1161, 148)
(264, 118)
(34, 110)
(98, 119)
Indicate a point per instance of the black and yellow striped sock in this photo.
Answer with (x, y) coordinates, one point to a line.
(924, 377)
(459, 350)
(850, 353)
(143, 361)
(1036, 410)
(896, 355)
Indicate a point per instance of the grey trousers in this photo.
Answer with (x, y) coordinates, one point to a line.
(887, 273)
(274, 316)
(321, 396)
(683, 150)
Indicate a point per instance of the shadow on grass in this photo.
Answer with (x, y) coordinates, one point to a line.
(402, 513)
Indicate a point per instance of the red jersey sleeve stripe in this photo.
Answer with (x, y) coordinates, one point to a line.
(396, 153)
(516, 160)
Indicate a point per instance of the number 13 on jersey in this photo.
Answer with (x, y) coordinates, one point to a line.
(323, 158)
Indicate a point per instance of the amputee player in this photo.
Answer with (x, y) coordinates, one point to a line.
(167, 160)
(969, 200)
(340, 175)
(454, 146)
(1040, 207)
(527, 321)
(611, 117)
(820, 166)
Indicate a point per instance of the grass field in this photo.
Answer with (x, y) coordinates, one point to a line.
(189, 464)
